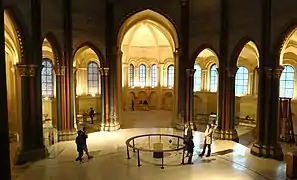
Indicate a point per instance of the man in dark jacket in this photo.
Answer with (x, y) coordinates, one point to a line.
(190, 149)
(84, 139)
(92, 114)
(79, 145)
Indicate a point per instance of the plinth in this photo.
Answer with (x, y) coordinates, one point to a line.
(158, 147)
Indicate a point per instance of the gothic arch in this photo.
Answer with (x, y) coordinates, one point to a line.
(90, 45)
(239, 47)
(282, 41)
(151, 14)
(15, 33)
(200, 49)
(50, 37)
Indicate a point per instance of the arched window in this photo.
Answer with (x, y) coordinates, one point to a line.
(197, 78)
(93, 78)
(47, 79)
(213, 78)
(287, 82)
(154, 75)
(131, 75)
(142, 75)
(170, 76)
(241, 81)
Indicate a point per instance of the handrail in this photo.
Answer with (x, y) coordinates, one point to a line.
(151, 150)
(183, 147)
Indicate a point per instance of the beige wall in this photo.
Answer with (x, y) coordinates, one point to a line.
(84, 103)
(49, 110)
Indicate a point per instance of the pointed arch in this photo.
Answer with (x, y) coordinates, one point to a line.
(56, 48)
(242, 43)
(14, 35)
(167, 25)
(283, 40)
(91, 46)
(202, 48)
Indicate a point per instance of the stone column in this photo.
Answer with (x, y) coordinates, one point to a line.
(32, 147)
(107, 123)
(60, 72)
(31, 139)
(67, 131)
(114, 86)
(183, 53)
(267, 144)
(189, 96)
(226, 83)
(231, 133)
(4, 137)
(102, 89)
(226, 105)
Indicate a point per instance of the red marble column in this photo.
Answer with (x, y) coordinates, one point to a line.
(189, 97)
(104, 126)
(31, 144)
(226, 105)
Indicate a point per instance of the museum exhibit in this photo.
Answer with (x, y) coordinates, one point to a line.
(142, 80)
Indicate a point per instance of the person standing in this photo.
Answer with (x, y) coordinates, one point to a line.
(84, 144)
(190, 149)
(92, 114)
(207, 141)
(132, 105)
(79, 145)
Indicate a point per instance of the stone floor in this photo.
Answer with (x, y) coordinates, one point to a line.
(229, 160)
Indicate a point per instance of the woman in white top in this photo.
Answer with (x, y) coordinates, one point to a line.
(207, 141)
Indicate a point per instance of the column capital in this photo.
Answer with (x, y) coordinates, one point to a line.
(106, 71)
(190, 72)
(27, 70)
(59, 70)
(278, 71)
(231, 71)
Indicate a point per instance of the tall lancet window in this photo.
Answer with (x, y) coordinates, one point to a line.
(93, 79)
(241, 81)
(153, 76)
(213, 78)
(47, 82)
(170, 76)
(197, 78)
(142, 75)
(131, 75)
(287, 82)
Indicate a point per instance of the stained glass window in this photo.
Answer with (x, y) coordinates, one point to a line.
(47, 82)
(170, 76)
(93, 78)
(197, 78)
(213, 78)
(287, 82)
(241, 81)
(154, 75)
(131, 75)
(142, 75)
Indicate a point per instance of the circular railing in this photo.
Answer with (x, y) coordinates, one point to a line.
(130, 143)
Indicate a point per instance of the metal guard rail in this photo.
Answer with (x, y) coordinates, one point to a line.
(179, 138)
